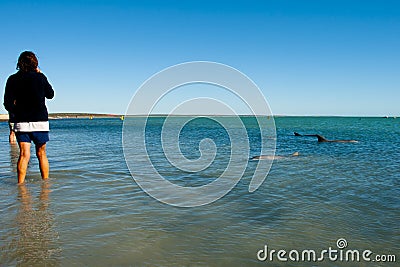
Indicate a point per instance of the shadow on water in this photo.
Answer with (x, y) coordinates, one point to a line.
(34, 241)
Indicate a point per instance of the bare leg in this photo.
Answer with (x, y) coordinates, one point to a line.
(43, 161)
(12, 139)
(24, 156)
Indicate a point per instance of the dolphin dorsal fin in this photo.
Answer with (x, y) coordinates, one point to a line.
(321, 138)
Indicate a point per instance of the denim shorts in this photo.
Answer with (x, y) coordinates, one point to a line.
(38, 138)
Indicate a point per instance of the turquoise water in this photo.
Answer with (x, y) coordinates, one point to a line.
(92, 213)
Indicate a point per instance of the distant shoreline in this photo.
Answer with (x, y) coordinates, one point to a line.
(54, 116)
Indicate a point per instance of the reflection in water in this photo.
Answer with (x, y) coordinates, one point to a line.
(37, 240)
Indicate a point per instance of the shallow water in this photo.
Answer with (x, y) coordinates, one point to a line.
(91, 212)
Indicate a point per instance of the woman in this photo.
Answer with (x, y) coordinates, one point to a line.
(24, 97)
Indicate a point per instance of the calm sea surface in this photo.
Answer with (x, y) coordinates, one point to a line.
(92, 213)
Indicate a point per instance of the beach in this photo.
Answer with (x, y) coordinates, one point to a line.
(3, 117)
(92, 212)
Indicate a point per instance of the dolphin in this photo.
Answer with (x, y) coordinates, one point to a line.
(323, 139)
(272, 157)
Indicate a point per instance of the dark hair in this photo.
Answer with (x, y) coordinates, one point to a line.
(27, 61)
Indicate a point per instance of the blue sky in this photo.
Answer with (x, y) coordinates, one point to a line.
(308, 57)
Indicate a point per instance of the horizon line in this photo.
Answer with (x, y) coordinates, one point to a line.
(5, 116)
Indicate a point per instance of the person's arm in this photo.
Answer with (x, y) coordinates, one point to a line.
(49, 92)
(9, 98)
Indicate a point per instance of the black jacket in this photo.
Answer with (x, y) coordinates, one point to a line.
(25, 96)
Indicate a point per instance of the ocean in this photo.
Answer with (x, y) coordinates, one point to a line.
(91, 212)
